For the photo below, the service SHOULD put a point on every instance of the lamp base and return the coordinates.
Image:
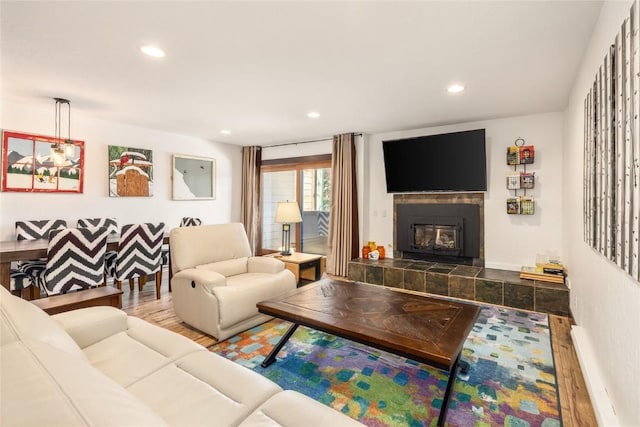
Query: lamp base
(285, 253)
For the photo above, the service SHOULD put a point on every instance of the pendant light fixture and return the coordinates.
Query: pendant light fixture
(61, 149)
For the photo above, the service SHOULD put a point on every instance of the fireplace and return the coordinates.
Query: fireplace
(441, 232)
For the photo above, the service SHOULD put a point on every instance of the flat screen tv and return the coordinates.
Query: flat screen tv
(446, 162)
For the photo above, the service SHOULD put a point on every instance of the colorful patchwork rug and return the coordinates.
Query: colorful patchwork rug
(510, 381)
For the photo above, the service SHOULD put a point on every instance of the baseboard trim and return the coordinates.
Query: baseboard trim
(604, 411)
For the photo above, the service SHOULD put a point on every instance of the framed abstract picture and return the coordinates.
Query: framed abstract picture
(41, 164)
(193, 178)
(130, 172)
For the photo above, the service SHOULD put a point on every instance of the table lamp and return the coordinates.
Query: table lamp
(287, 213)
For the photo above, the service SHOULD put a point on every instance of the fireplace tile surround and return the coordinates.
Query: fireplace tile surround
(486, 285)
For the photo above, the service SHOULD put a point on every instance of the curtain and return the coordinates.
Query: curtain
(343, 226)
(612, 150)
(250, 204)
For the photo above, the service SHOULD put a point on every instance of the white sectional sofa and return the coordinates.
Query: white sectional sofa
(97, 366)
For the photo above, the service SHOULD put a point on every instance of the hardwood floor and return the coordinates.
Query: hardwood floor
(574, 399)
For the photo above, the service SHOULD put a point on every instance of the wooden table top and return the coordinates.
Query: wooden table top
(296, 257)
(425, 329)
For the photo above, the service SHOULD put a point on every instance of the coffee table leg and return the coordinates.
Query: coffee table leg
(274, 352)
(447, 394)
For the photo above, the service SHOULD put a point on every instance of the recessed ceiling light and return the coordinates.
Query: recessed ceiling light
(313, 114)
(153, 51)
(455, 88)
(225, 132)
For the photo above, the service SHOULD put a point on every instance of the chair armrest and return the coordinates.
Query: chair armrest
(89, 325)
(201, 277)
(261, 264)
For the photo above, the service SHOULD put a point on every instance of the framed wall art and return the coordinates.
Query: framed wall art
(41, 164)
(130, 172)
(193, 178)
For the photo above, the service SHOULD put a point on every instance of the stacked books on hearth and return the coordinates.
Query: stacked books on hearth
(551, 272)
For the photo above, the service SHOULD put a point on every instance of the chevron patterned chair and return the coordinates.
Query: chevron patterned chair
(139, 255)
(110, 224)
(33, 230)
(75, 259)
(21, 282)
(186, 221)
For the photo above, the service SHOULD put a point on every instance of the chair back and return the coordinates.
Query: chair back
(109, 223)
(39, 229)
(192, 246)
(75, 259)
(139, 250)
(188, 221)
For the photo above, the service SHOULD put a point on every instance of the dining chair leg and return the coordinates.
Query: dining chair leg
(158, 283)
(142, 280)
(131, 283)
(119, 284)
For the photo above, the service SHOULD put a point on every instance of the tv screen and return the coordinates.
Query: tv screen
(446, 162)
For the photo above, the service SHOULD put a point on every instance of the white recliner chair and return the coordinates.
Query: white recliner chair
(216, 281)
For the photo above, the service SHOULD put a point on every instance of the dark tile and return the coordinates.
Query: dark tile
(373, 274)
(499, 275)
(420, 265)
(489, 291)
(442, 268)
(355, 271)
(465, 271)
(553, 301)
(437, 283)
(462, 287)
(415, 280)
(549, 285)
(518, 296)
(398, 263)
(394, 277)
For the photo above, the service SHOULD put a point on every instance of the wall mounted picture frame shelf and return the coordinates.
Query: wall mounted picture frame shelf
(519, 156)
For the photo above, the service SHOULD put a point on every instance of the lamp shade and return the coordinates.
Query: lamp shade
(288, 213)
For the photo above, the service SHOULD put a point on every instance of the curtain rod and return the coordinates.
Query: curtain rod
(305, 142)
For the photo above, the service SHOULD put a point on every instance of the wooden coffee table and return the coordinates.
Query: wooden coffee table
(425, 329)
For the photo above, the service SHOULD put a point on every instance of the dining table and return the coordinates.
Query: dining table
(24, 250)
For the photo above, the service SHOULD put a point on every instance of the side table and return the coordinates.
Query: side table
(103, 295)
(300, 264)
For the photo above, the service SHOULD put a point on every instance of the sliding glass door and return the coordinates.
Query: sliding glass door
(309, 184)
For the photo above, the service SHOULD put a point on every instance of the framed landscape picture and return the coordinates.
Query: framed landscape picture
(130, 172)
(194, 178)
(27, 164)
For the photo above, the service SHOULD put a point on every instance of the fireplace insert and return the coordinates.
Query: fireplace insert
(439, 232)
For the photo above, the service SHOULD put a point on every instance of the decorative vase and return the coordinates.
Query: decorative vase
(365, 252)
(381, 251)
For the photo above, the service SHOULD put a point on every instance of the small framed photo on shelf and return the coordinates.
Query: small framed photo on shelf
(527, 180)
(527, 154)
(513, 182)
(513, 205)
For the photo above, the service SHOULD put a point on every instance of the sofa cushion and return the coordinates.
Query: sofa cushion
(141, 350)
(230, 267)
(87, 326)
(237, 301)
(191, 246)
(204, 386)
(21, 320)
(291, 408)
(42, 386)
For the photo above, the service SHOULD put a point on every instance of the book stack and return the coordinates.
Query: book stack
(554, 273)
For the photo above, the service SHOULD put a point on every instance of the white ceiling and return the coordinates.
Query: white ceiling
(257, 68)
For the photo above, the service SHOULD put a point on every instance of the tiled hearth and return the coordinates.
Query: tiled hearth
(480, 284)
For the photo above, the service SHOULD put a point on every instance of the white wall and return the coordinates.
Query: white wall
(604, 300)
(511, 241)
(95, 202)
